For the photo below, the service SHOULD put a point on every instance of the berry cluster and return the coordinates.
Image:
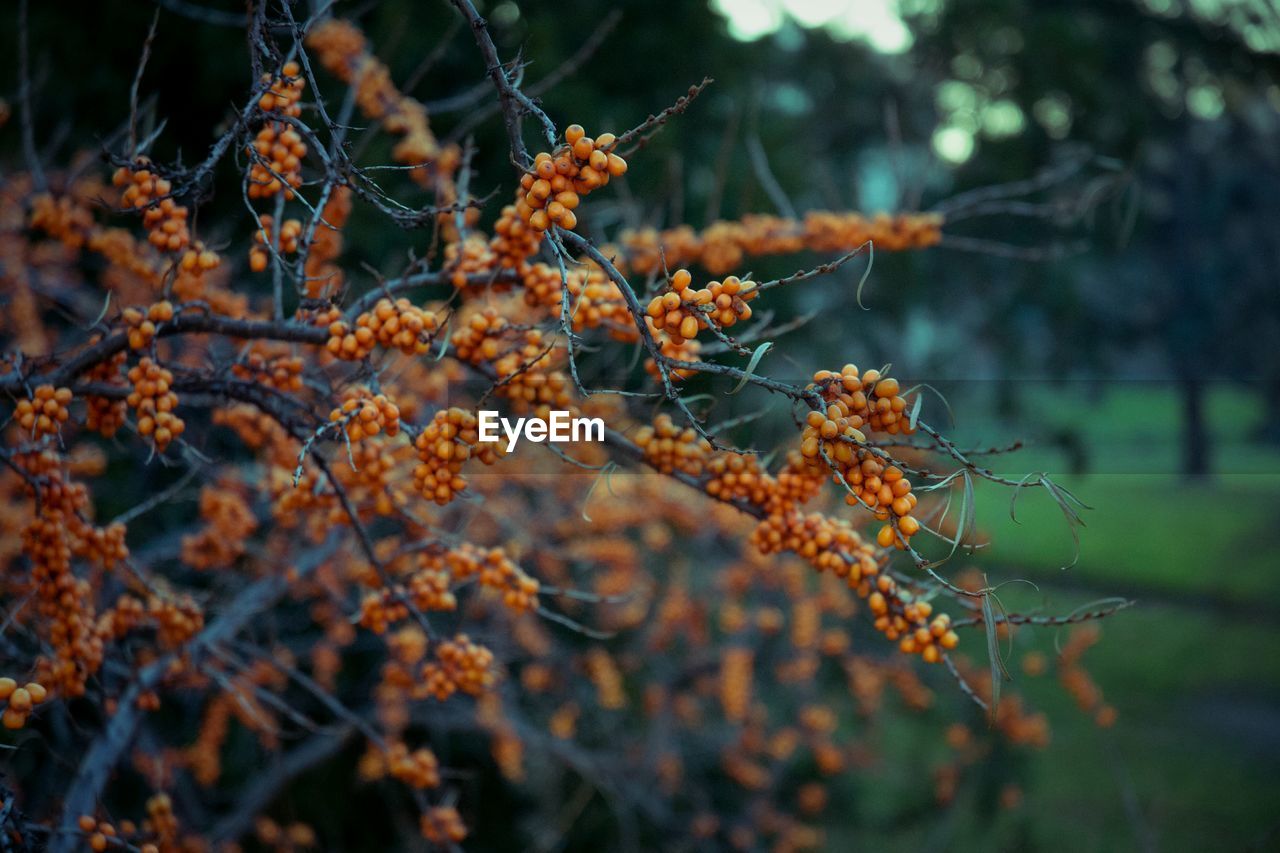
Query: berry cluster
(105, 415)
(104, 836)
(470, 257)
(380, 610)
(514, 241)
(165, 219)
(278, 149)
(427, 589)
(460, 666)
(906, 621)
(479, 339)
(496, 571)
(682, 311)
(683, 349)
(229, 521)
(930, 637)
(342, 51)
(723, 246)
(153, 403)
(160, 821)
(527, 377)
(737, 663)
(553, 190)
(418, 769)
(62, 218)
(364, 415)
(123, 253)
(443, 826)
(279, 370)
(397, 324)
(452, 437)
(265, 238)
(870, 400)
(49, 540)
(142, 327)
(21, 701)
(374, 483)
(595, 301)
(199, 260)
(177, 620)
(127, 615)
(835, 438)
(828, 544)
(45, 412)
(670, 448)
(1077, 681)
(737, 476)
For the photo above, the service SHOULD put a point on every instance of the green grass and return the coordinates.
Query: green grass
(1150, 529)
(1148, 533)
(1193, 669)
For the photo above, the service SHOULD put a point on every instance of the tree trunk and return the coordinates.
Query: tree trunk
(1196, 461)
(1269, 430)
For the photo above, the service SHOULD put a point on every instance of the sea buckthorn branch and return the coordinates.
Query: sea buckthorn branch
(815, 272)
(107, 749)
(197, 178)
(895, 524)
(551, 191)
(975, 202)
(251, 655)
(315, 750)
(137, 83)
(367, 546)
(964, 684)
(514, 102)
(29, 150)
(799, 577)
(341, 49)
(723, 245)
(645, 131)
(1084, 614)
(340, 169)
(766, 178)
(665, 364)
(567, 313)
(661, 360)
(472, 96)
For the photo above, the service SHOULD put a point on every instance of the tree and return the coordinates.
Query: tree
(374, 583)
(1162, 92)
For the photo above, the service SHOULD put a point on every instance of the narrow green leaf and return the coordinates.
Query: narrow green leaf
(967, 520)
(915, 411)
(871, 261)
(444, 340)
(603, 474)
(1017, 490)
(106, 303)
(1065, 500)
(951, 415)
(993, 653)
(751, 365)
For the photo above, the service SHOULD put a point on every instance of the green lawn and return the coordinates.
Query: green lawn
(1194, 668)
